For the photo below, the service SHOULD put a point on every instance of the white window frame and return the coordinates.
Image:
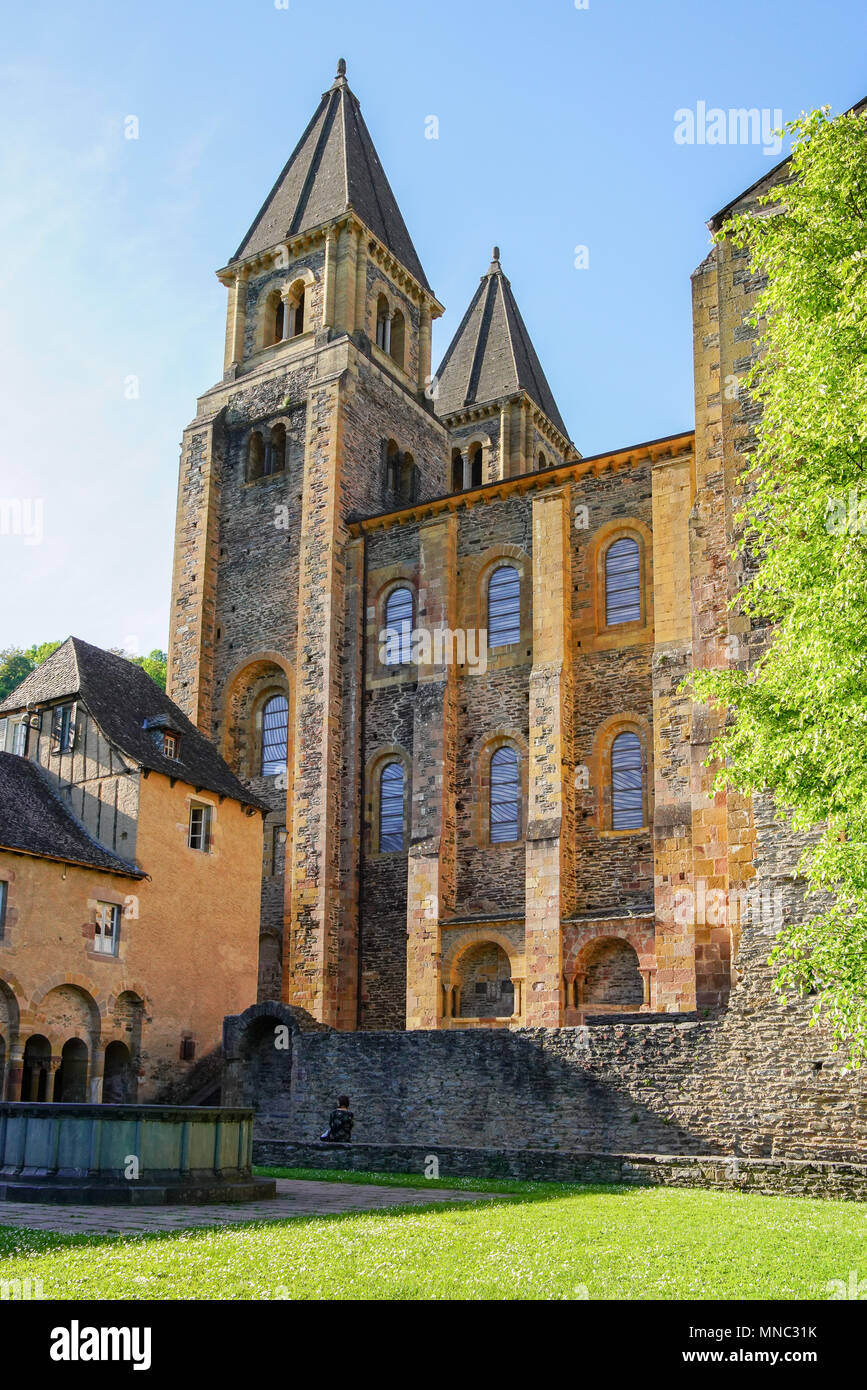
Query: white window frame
(106, 931)
(199, 832)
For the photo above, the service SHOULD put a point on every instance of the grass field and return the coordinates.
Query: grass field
(542, 1241)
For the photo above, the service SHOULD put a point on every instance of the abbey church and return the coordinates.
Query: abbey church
(444, 648)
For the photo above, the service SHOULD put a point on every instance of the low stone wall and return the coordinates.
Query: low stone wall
(753, 1082)
(792, 1176)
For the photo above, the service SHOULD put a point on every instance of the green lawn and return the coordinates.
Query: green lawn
(541, 1241)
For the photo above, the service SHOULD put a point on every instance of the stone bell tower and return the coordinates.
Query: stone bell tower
(323, 414)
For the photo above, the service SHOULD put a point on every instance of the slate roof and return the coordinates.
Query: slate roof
(35, 820)
(122, 699)
(491, 355)
(333, 167)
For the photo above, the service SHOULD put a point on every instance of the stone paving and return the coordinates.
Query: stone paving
(294, 1198)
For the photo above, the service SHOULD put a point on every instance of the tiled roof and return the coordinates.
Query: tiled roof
(333, 167)
(35, 820)
(491, 355)
(123, 700)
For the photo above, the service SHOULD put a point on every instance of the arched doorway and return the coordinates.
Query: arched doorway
(70, 1079)
(37, 1065)
(485, 982)
(118, 1081)
(266, 1064)
(612, 978)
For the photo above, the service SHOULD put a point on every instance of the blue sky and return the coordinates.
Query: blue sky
(556, 130)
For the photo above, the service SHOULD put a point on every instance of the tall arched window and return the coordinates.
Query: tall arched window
(504, 607)
(391, 784)
(275, 735)
(627, 783)
(383, 324)
(505, 796)
(255, 456)
(476, 465)
(623, 582)
(298, 326)
(275, 457)
(397, 346)
(457, 471)
(398, 628)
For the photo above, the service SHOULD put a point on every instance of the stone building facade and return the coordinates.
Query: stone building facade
(129, 888)
(447, 650)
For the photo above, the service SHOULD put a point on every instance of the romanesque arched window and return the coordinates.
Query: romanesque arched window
(504, 607)
(391, 808)
(623, 582)
(627, 783)
(398, 627)
(383, 324)
(275, 458)
(476, 465)
(275, 735)
(505, 803)
(300, 309)
(457, 471)
(397, 346)
(255, 456)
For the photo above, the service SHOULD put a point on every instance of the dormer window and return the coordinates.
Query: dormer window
(62, 728)
(167, 740)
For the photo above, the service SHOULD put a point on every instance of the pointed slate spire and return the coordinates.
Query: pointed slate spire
(333, 166)
(491, 355)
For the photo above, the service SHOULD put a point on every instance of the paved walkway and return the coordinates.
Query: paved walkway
(294, 1198)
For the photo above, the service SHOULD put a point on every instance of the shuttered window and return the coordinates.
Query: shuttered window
(391, 809)
(275, 735)
(504, 796)
(627, 783)
(622, 582)
(504, 607)
(398, 627)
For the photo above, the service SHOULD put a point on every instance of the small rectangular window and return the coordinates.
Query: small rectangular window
(4, 724)
(107, 929)
(188, 1049)
(19, 739)
(4, 895)
(62, 729)
(200, 828)
(170, 744)
(278, 850)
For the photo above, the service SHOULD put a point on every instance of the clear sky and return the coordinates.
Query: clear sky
(556, 131)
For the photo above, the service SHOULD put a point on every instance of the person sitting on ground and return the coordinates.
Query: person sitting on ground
(339, 1129)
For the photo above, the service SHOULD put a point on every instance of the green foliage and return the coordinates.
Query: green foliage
(798, 720)
(15, 664)
(155, 665)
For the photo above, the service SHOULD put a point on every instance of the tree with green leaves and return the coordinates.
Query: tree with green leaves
(797, 721)
(16, 663)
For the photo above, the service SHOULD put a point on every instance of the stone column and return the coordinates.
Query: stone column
(504, 440)
(386, 342)
(96, 1072)
(549, 812)
(431, 865)
(360, 314)
(344, 307)
(312, 977)
(238, 317)
(674, 883)
(466, 469)
(424, 347)
(288, 316)
(330, 278)
(15, 1072)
